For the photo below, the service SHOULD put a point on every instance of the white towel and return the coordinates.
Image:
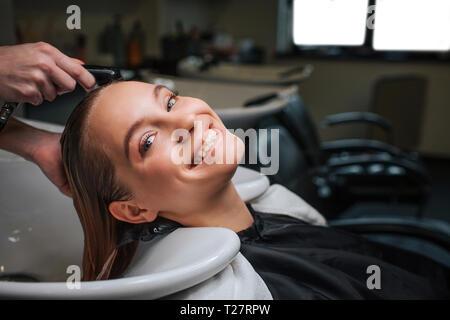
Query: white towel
(238, 281)
(280, 200)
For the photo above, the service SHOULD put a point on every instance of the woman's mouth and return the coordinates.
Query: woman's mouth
(208, 144)
(206, 148)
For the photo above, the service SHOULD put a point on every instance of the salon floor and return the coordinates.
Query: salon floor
(438, 205)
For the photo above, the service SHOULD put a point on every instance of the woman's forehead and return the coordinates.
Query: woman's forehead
(121, 99)
(124, 91)
(118, 106)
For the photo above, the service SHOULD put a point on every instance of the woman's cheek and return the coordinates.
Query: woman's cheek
(234, 147)
(240, 147)
(160, 165)
(156, 180)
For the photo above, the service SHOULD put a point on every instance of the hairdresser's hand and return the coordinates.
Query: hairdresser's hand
(36, 71)
(39, 146)
(47, 155)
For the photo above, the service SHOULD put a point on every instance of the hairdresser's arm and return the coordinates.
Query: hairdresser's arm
(39, 146)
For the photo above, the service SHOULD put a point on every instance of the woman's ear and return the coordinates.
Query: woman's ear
(129, 211)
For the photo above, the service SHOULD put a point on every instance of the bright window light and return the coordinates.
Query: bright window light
(412, 25)
(330, 22)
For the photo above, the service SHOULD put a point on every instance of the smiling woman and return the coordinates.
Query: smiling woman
(117, 150)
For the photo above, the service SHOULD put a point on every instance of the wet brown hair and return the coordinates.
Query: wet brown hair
(91, 177)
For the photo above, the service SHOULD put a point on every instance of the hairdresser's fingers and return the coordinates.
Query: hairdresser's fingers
(31, 94)
(77, 60)
(75, 70)
(45, 85)
(49, 90)
(63, 82)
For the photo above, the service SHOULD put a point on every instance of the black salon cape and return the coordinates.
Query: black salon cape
(300, 261)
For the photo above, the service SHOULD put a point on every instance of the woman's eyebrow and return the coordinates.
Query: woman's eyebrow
(130, 132)
(137, 124)
(157, 89)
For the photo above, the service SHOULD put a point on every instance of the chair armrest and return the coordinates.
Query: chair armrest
(427, 229)
(346, 117)
(349, 145)
(260, 99)
(369, 117)
(415, 168)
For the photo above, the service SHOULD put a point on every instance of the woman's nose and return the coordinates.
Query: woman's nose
(186, 114)
(182, 120)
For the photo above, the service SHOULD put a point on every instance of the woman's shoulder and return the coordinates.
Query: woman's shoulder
(255, 188)
(278, 200)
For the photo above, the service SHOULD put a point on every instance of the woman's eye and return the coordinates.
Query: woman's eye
(148, 143)
(171, 103)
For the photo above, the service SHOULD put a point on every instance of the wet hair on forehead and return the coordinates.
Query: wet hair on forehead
(94, 97)
(89, 139)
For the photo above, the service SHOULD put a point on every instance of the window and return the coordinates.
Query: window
(412, 25)
(329, 22)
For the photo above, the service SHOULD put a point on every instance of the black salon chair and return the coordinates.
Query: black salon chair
(306, 167)
(427, 237)
(334, 175)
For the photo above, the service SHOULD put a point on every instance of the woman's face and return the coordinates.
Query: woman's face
(172, 153)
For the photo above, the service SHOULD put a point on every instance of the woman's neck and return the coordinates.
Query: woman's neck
(226, 209)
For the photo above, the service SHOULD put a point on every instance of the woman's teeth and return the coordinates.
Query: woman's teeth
(209, 143)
